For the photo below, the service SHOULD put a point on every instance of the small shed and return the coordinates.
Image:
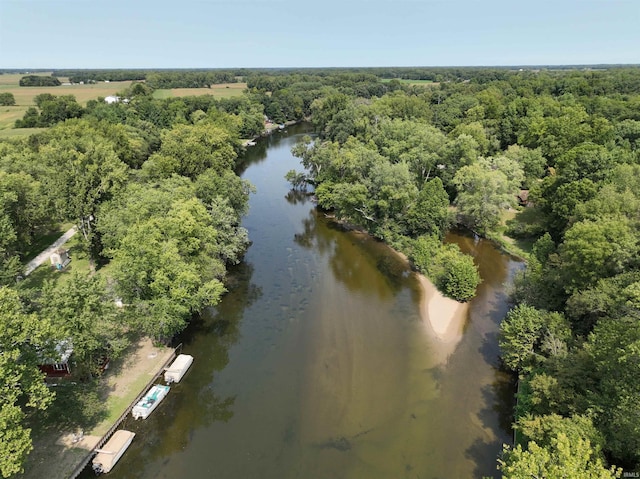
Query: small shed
(58, 366)
(60, 259)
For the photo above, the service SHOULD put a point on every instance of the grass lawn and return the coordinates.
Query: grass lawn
(45, 272)
(42, 242)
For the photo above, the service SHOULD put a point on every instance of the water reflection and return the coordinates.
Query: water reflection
(301, 197)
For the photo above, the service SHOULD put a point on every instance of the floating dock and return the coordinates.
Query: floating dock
(175, 372)
(112, 451)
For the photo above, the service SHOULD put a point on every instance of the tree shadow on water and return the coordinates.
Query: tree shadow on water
(497, 416)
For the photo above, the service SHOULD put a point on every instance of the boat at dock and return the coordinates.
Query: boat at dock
(175, 372)
(112, 451)
(150, 401)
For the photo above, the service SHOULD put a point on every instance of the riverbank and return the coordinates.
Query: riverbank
(57, 453)
(269, 128)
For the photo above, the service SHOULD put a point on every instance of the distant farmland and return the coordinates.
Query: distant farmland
(25, 96)
(220, 90)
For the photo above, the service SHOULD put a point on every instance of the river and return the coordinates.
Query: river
(317, 363)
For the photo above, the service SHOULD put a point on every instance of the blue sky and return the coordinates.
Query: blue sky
(304, 33)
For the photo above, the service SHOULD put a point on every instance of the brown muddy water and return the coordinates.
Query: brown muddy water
(317, 364)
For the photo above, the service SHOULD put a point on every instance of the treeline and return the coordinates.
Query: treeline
(152, 188)
(39, 80)
(155, 78)
(188, 79)
(77, 76)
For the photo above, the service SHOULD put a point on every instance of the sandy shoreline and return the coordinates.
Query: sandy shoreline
(445, 316)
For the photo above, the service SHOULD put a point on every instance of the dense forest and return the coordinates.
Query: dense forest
(151, 185)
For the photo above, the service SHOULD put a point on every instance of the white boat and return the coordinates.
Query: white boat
(174, 373)
(150, 401)
(112, 451)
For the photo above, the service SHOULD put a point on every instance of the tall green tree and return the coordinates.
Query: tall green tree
(483, 194)
(24, 339)
(82, 311)
(430, 214)
(597, 249)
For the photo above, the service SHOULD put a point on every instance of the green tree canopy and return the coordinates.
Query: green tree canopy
(560, 460)
(24, 340)
(7, 99)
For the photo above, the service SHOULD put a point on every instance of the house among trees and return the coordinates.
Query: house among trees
(523, 198)
(60, 259)
(58, 366)
(111, 99)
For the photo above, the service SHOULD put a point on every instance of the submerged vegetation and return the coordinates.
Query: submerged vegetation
(151, 185)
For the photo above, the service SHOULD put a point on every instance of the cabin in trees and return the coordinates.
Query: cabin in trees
(523, 198)
(58, 365)
(60, 259)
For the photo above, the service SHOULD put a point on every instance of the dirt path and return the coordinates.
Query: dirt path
(55, 454)
(44, 256)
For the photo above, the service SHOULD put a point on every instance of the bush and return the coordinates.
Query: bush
(459, 275)
(453, 272)
(7, 99)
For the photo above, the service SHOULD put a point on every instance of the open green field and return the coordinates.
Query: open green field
(219, 90)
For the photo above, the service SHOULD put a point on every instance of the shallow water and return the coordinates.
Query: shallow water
(317, 364)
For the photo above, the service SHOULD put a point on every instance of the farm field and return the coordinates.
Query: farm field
(219, 90)
(24, 96)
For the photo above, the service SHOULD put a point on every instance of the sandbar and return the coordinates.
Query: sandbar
(445, 316)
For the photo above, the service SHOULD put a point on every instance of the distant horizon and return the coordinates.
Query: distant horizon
(151, 34)
(541, 65)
